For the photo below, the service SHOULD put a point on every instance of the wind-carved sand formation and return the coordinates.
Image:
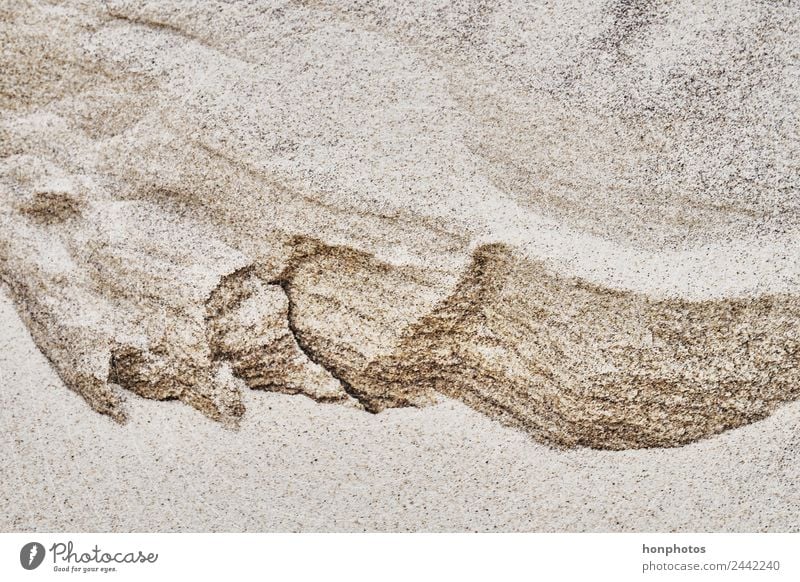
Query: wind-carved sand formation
(580, 219)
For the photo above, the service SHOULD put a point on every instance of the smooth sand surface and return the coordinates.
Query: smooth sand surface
(296, 465)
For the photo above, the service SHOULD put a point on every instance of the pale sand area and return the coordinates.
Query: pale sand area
(296, 465)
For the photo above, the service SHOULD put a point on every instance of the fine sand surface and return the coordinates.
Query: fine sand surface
(541, 258)
(295, 465)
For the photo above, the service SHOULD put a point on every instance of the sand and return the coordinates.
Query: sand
(295, 465)
(574, 224)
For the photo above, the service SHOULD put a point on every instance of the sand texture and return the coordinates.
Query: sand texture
(581, 220)
(296, 465)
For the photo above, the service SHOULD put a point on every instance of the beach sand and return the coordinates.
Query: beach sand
(296, 465)
(318, 265)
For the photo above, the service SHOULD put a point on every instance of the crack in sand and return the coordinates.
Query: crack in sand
(285, 286)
